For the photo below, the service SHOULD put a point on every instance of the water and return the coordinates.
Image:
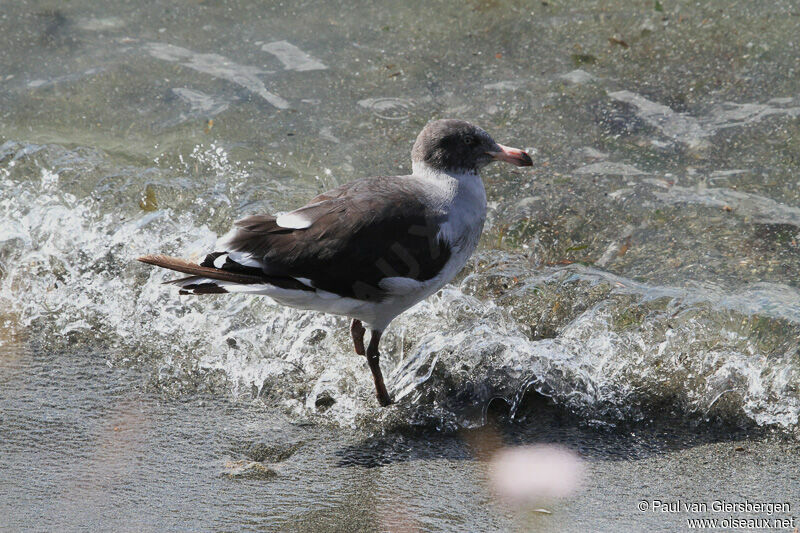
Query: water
(642, 278)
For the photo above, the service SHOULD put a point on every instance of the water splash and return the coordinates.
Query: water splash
(607, 347)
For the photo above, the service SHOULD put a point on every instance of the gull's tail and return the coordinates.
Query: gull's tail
(231, 277)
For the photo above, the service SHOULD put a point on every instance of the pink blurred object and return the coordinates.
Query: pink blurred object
(531, 474)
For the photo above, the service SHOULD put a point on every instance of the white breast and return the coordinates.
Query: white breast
(462, 198)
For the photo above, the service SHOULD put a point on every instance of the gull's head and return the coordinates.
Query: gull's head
(451, 145)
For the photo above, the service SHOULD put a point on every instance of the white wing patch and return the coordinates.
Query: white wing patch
(400, 286)
(293, 220)
(245, 259)
(263, 289)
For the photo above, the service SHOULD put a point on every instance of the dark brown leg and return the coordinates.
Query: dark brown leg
(357, 332)
(373, 358)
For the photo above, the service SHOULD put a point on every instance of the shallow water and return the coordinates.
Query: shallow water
(641, 278)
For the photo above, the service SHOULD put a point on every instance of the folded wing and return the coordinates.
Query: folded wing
(345, 241)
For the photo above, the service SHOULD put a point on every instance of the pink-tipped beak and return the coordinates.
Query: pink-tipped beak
(515, 156)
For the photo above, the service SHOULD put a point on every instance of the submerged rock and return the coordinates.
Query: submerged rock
(577, 77)
(243, 469)
(267, 452)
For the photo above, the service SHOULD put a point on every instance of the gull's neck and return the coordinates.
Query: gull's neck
(455, 188)
(423, 170)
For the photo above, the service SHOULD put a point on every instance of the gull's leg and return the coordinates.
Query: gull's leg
(357, 331)
(373, 358)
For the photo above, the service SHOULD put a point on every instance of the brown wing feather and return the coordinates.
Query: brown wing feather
(360, 233)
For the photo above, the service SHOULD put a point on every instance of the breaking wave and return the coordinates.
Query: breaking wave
(603, 346)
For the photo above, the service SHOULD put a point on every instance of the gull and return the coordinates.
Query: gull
(369, 249)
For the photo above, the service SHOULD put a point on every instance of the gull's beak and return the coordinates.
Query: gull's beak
(515, 156)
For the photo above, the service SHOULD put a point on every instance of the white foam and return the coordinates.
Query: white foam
(201, 102)
(219, 67)
(609, 167)
(759, 208)
(292, 57)
(507, 85)
(679, 126)
(101, 24)
(694, 131)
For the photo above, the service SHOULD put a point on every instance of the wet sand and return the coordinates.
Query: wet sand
(89, 447)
